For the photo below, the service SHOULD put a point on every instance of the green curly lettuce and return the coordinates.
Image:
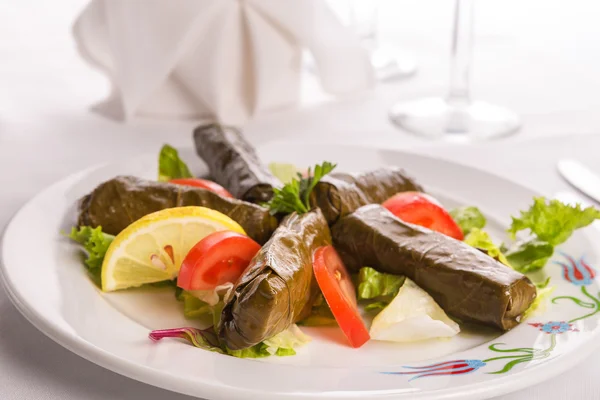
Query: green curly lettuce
(468, 218)
(548, 223)
(552, 221)
(94, 242)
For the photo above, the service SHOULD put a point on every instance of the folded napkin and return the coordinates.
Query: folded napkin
(229, 59)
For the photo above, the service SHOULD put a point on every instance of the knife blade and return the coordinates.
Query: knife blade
(573, 198)
(580, 177)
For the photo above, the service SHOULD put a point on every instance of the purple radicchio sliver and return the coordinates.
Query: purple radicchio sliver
(202, 338)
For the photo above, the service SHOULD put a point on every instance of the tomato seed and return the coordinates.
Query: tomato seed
(338, 275)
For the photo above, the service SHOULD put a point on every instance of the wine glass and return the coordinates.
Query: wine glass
(457, 116)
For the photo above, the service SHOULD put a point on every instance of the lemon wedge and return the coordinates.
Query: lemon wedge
(152, 248)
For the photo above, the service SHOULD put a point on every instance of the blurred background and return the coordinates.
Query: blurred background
(537, 57)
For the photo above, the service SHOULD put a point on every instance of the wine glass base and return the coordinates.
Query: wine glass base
(436, 118)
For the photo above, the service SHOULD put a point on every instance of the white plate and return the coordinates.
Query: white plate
(46, 281)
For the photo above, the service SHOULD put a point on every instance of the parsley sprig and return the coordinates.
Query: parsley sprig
(295, 195)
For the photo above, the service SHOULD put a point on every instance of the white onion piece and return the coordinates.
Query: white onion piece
(413, 315)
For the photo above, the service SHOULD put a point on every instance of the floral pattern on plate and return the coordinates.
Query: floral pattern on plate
(579, 273)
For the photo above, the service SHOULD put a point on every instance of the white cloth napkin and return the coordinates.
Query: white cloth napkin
(229, 59)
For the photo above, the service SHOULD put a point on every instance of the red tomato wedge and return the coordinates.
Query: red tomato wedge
(422, 209)
(338, 290)
(219, 258)
(204, 184)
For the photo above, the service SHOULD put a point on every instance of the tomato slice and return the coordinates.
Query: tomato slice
(424, 210)
(219, 258)
(338, 290)
(204, 184)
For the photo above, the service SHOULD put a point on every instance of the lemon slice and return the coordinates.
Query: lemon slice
(153, 247)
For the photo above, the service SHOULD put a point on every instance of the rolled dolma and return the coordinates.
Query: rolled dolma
(340, 194)
(464, 281)
(117, 203)
(276, 289)
(233, 163)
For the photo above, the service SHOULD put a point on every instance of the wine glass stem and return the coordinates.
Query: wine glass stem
(461, 55)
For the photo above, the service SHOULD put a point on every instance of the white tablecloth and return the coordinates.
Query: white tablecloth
(539, 57)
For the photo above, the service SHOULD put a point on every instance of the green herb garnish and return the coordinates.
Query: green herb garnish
(294, 196)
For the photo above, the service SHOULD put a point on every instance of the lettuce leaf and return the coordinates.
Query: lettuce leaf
(283, 344)
(543, 293)
(162, 284)
(170, 166)
(95, 243)
(549, 223)
(468, 218)
(529, 255)
(482, 241)
(543, 285)
(193, 307)
(287, 341)
(378, 289)
(259, 351)
(284, 172)
(202, 304)
(376, 306)
(256, 351)
(320, 314)
(206, 339)
(552, 221)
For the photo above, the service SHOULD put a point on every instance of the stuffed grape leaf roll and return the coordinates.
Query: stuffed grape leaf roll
(233, 163)
(276, 289)
(339, 194)
(464, 281)
(117, 203)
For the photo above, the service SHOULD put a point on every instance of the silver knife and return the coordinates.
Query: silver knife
(580, 177)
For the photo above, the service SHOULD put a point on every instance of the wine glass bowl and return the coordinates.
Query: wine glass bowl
(457, 117)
